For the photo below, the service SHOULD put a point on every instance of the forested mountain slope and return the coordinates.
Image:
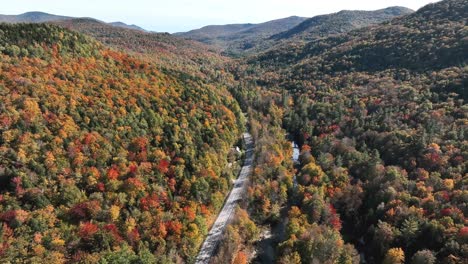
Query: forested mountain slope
(235, 38)
(103, 156)
(167, 51)
(382, 117)
(242, 39)
(432, 38)
(41, 17)
(123, 25)
(341, 22)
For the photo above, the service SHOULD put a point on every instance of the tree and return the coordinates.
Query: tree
(384, 236)
(87, 230)
(410, 229)
(423, 257)
(241, 258)
(394, 256)
(291, 258)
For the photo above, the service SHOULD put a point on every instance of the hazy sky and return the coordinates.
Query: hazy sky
(183, 15)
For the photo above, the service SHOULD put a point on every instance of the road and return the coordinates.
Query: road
(215, 235)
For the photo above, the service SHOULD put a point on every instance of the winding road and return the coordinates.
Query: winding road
(215, 235)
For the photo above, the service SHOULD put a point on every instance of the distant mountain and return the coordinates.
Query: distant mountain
(123, 25)
(272, 27)
(241, 39)
(429, 39)
(41, 17)
(210, 34)
(238, 37)
(31, 17)
(341, 22)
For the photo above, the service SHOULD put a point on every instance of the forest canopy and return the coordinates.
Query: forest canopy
(103, 155)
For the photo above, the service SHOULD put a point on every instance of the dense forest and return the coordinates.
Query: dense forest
(162, 49)
(104, 156)
(118, 145)
(381, 117)
(238, 40)
(341, 22)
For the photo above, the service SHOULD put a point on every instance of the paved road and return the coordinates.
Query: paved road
(216, 233)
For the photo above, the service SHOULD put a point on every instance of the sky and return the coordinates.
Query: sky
(183, 15)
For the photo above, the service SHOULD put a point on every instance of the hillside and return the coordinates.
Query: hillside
(165, 50)
(381, 117)
(104, 156)
(431, 39)
(236, 38)
(224, 33)
(245, 39)
(209, 34)
(41, 17)
(341, 22)
(123, 25)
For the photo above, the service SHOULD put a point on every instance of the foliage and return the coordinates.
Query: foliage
(237, 40)
(168, 52)
(381, 116)
(238, 240)
(103, 156)
(341, 22)
(394, 256)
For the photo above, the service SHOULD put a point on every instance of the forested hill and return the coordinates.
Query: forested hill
(381, 115)
(217, 33)
(341, 22)
(31, 17)
(41, 17)
(167, 51)
(102, 155)
(238, 37)
(123, 25)
(244, 39)
(433, 38)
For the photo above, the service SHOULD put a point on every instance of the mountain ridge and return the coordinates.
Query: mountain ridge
(123, 25)
(240, 36)
(244, 39)
(236, 27)
(341, 22)
(166, 50)
(42, 17)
